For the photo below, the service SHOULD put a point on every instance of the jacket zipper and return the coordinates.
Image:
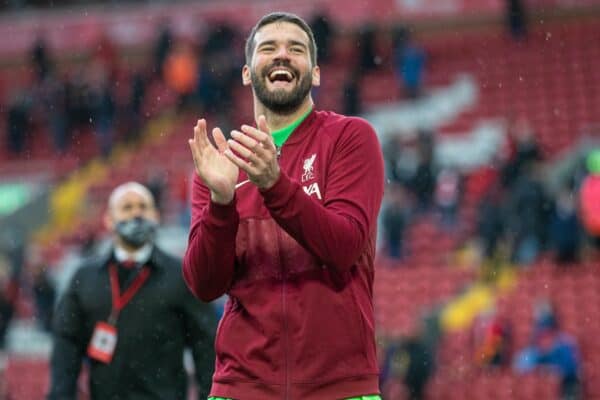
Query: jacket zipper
(284, 306)
(285, 329)
(284, 317)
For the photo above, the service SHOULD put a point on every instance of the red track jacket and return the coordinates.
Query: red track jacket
(297, 263)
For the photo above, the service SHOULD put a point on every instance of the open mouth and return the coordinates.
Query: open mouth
(280, 76)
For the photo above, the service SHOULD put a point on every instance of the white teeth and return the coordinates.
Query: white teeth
(280, 72)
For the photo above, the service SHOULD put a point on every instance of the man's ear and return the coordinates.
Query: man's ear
(246, 79)
(316, 76)
(109, 224)
(155, 215)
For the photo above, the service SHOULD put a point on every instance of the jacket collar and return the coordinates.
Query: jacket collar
(301, 129)
(158, 258)
(140, 256)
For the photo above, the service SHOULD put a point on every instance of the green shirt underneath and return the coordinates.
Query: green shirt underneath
(281, 135)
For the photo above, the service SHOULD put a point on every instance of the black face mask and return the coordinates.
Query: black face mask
(136, 232)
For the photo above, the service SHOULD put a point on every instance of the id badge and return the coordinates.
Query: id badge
(103, 343)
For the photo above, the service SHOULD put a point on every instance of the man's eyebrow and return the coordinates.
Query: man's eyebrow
(266, 43)
(291, 42)
(297, 43)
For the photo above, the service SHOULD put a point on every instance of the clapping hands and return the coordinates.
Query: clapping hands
(249, 149)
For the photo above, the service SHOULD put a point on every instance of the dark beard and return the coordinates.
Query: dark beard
(280, 101)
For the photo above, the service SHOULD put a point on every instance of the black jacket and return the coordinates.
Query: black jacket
(153, 330)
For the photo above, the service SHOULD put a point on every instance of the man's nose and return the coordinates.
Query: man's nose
(137, 212)
(282, 53)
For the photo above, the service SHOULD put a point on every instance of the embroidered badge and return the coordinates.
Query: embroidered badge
(308, 173)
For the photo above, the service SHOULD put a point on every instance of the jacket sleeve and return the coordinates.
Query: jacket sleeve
(69, 344)
(337, 230)
(209, 260)
(200, 326)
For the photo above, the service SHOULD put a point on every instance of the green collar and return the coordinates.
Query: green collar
(281, 135)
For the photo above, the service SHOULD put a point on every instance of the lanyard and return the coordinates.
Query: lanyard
(120, 300)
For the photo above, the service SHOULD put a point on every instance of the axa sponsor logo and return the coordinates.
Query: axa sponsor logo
(311, 189)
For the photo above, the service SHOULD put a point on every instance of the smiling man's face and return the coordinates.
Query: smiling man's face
(281, 71)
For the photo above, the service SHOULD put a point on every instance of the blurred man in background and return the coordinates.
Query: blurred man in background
(286, 226)
(589, 198)
(553, 349)
(410, 360)
(129, 314)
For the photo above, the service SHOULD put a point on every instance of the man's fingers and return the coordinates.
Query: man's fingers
(219, 139)
(250, 143)
(197, 143)
(246, 153)
(259, 136)
(195, 154)
(194, 147)
(252, 150)
(265, 150)
(241, 164)
(254, 133)
(192, 144)
(262, 125)
(200, 135)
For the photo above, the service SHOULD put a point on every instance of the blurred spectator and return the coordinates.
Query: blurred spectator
(589, 197)
(219, 38)
(44, 295)
(554, 350)
(423, 181)
(9, 290)
(105, 53)
(521, 149)
(528, 215)
(516, 18)
(395, 218)
(367, 56)
(79, 111)
(181, 72)
(162, 48)
(102, 107)
(128, 310)
(565, 229)
(492, 339)
(447, 196)
(527, 146)
(410, 360)
(491, 220)
(134, 106)
(401, 161)
(391, 150)
(322, 29)
(51, 98)
(156, 182)
(219, 71)
(409, 62)
(351, 102)
(183, 189)
(544, 316)
(18, 122)
(40, 58)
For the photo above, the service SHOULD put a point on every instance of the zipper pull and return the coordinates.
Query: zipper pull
(278, 151)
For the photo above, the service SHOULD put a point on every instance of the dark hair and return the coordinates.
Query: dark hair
(282, 17)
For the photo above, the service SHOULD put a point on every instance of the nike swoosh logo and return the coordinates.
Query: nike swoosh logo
(242, 183)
